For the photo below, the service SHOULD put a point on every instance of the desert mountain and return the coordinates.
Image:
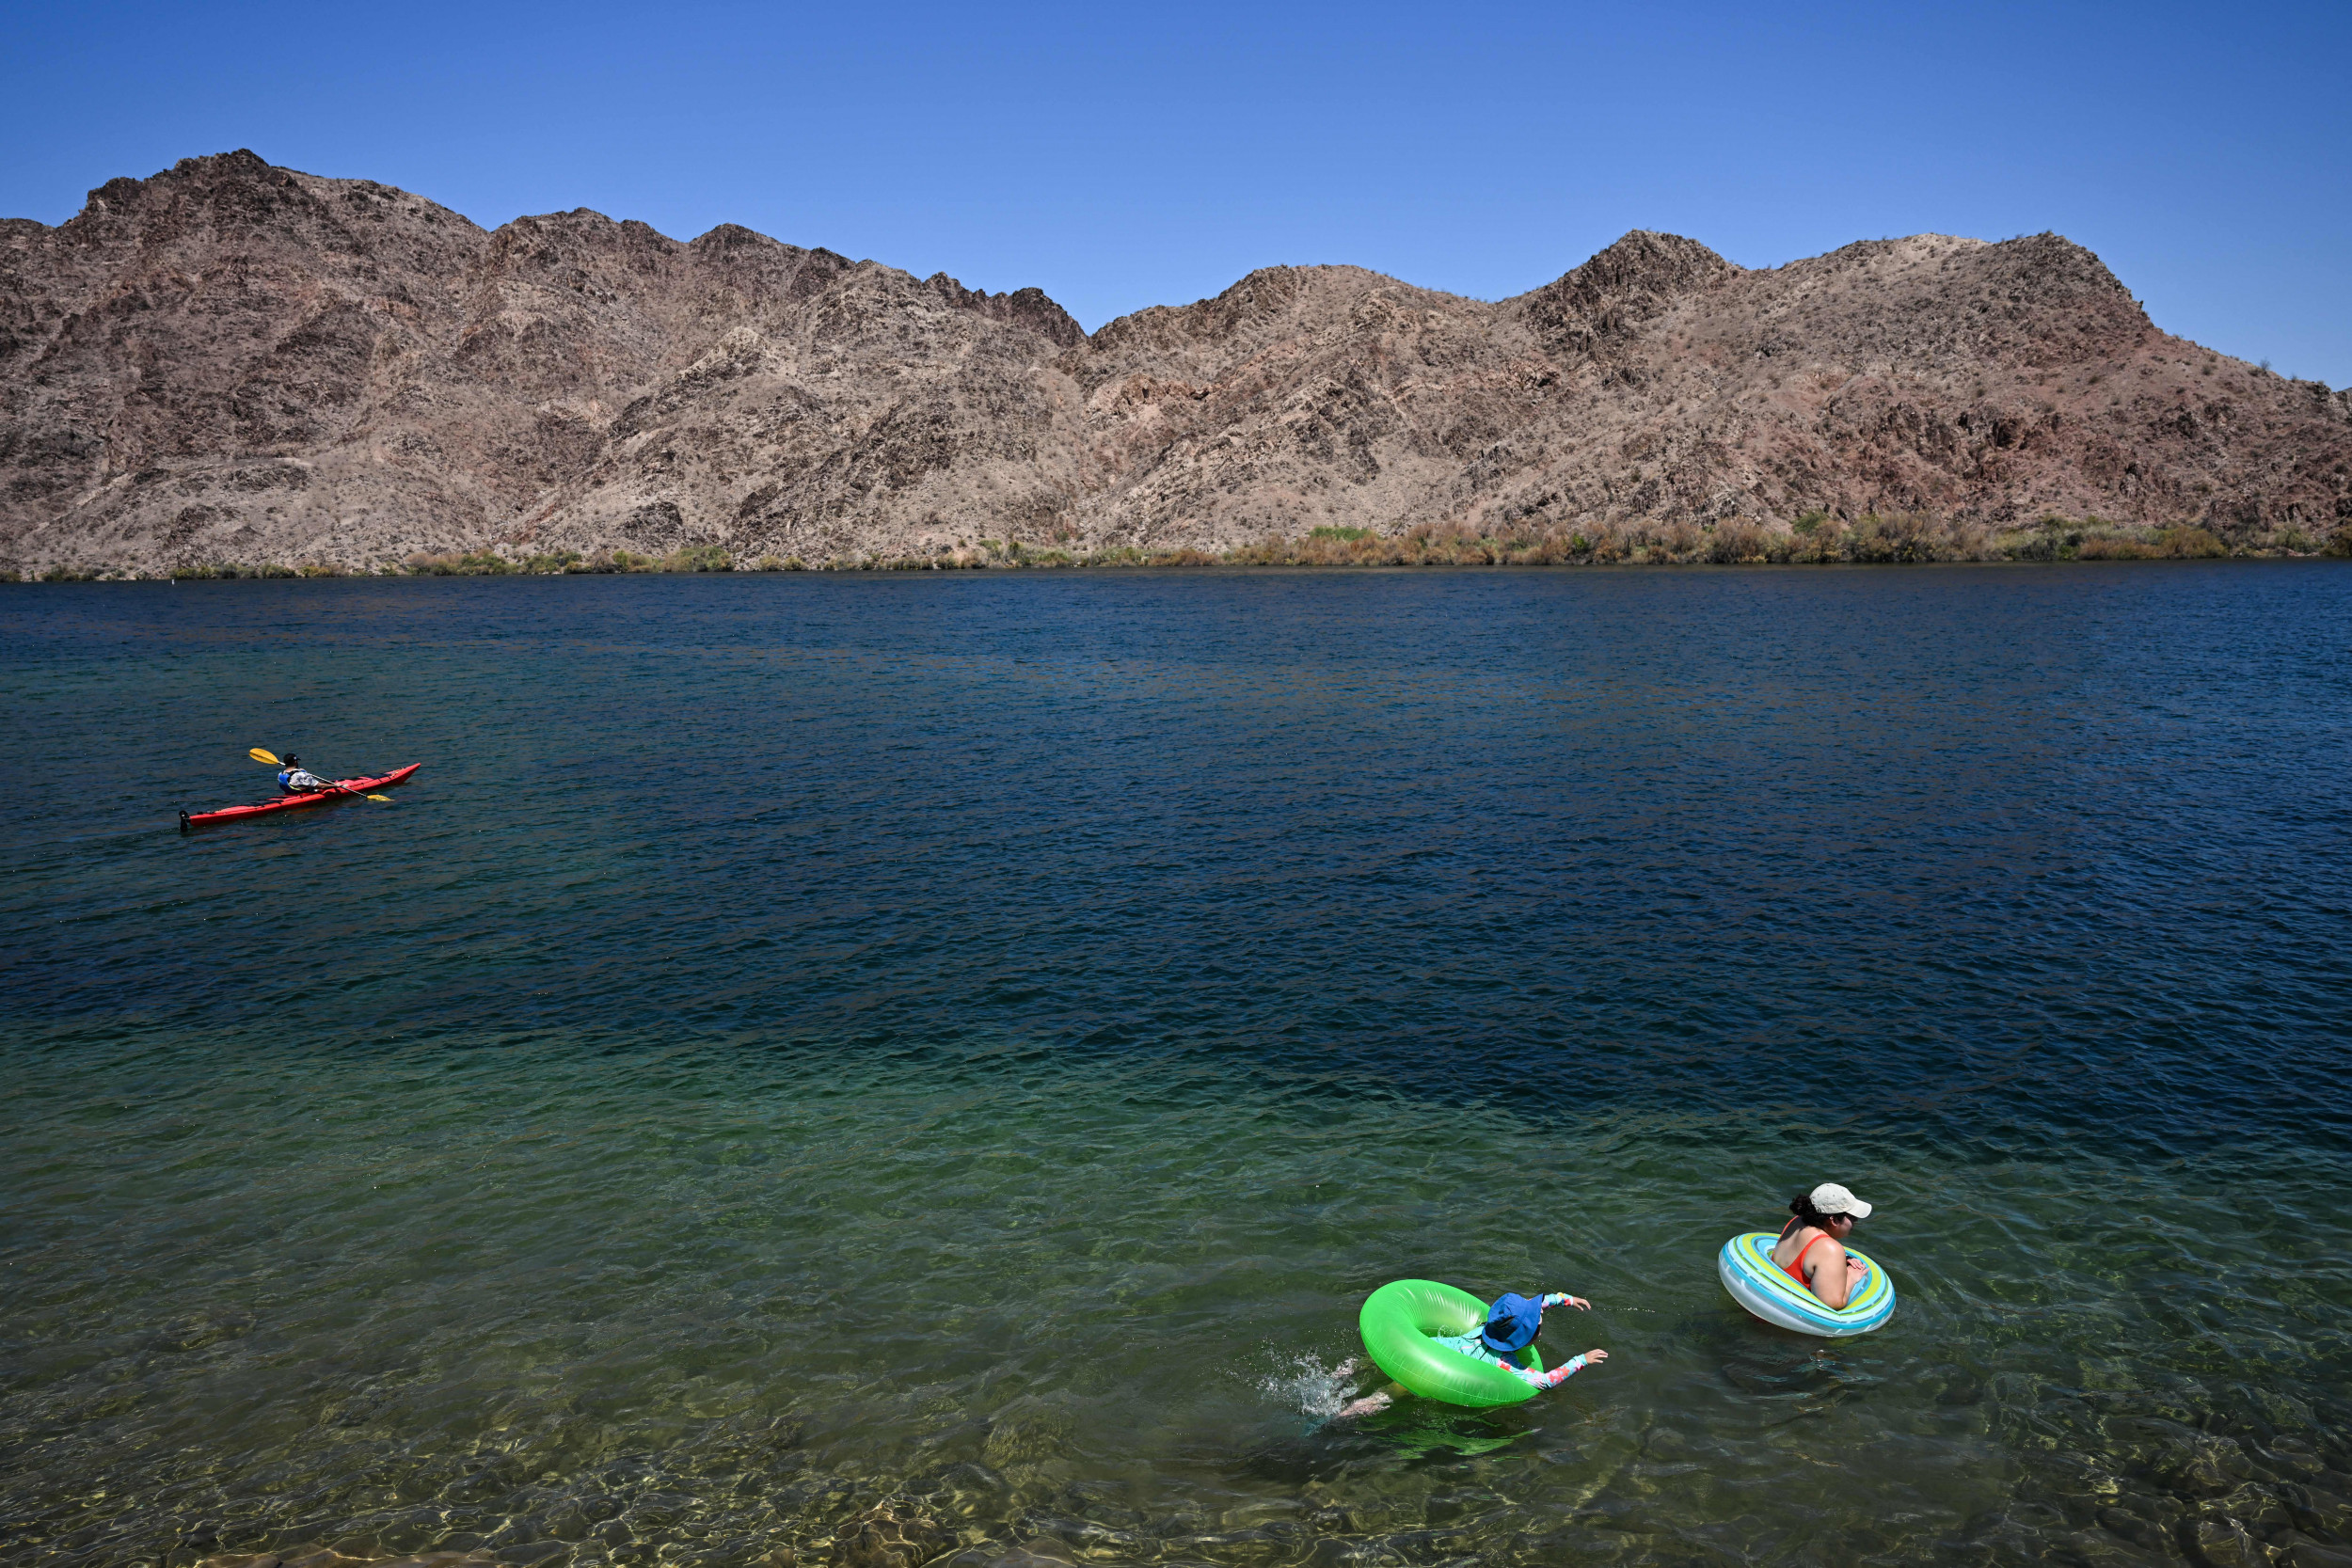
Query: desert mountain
(231, 361)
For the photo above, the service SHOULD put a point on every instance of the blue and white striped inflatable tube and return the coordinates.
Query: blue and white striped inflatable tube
(1765, 1289)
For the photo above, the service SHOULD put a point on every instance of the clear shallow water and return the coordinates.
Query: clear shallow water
(973, 1042)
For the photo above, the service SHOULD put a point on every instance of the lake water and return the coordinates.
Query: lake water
(968, 1044)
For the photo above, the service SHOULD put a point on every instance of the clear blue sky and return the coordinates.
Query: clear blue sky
(1120, 157)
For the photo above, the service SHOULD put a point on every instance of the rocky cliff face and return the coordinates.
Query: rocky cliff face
(232, 362)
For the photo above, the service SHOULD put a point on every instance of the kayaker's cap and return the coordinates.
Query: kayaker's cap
(1831, 1198)
(1511, 1324)
(293, 761)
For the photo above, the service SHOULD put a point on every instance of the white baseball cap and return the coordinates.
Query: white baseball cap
(1831, 1198)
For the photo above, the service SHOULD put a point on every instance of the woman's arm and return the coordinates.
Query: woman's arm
(1827, 1272)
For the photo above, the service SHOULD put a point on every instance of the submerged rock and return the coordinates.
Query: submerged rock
(884, 1537)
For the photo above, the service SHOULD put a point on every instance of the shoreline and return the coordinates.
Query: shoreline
(1815, 539)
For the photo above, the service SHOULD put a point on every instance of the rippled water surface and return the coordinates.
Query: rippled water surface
(966, 1045)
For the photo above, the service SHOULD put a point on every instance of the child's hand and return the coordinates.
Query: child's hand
(1595, 1358)
(1563, 1299)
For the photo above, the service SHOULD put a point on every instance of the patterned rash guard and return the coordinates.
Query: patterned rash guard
(1471, 1346)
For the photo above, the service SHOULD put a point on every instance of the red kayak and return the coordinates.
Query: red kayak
(289, 802)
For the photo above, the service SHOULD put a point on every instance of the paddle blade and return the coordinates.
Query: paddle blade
(385, 799)
(259, 756)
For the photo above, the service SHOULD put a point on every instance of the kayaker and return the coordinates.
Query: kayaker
(1812, 1245)
(295, 779)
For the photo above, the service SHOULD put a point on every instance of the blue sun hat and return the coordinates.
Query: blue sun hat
(1511, 1324)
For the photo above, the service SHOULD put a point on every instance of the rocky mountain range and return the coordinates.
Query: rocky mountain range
(234, 362)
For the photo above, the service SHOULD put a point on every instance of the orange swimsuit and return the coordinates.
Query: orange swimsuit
(1796, 1270)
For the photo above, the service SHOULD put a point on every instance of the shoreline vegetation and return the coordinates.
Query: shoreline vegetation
(1814, 538)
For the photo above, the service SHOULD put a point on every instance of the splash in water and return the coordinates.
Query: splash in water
(1323, 1394)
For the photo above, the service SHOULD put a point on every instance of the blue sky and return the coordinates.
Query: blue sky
(1123, 156)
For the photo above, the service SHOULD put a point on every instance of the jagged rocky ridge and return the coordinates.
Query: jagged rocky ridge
(234, 362)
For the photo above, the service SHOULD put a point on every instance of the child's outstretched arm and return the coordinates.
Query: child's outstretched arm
(1565, 1371)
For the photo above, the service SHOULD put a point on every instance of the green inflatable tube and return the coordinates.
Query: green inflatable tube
(1398, 1323)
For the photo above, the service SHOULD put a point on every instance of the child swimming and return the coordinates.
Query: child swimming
(1511, 1324)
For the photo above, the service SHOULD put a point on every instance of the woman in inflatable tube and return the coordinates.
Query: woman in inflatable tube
(1446, 1344)
(1807, 1279)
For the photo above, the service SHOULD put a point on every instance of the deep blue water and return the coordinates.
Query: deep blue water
(994, 1027)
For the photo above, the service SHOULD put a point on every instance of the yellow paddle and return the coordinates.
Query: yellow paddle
(270, 759)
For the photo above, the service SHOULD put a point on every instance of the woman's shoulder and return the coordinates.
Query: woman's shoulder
(1808, 1241)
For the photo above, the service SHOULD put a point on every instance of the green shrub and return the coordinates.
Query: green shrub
(700, 558)
(2174, 541)
(2183, 543)
(476, 564)
(1898, 538)
(2051, 539)
(605, 561)
(1330, 530)
(1809, 522)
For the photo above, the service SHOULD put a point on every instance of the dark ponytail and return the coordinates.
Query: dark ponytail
(1802, 1205)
